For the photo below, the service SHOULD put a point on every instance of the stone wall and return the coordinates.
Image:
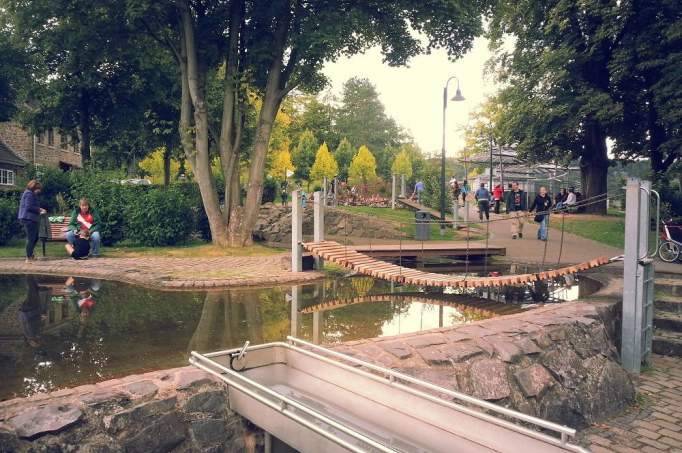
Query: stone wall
(182, 409)
(21, 142)
(558, 362)
(274, 224)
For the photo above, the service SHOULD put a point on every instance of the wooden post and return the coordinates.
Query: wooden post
(318, 224)
(393, 184)
(296, 232)
(402, 186)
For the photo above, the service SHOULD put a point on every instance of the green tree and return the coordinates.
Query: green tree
(325, 165)
(304, 155)
(557, 103)
(362, 119)
(311, 113)
(483, 127)
(402, 165)
(273, 48)
(363, 167)
(14, 68)
(344, 155)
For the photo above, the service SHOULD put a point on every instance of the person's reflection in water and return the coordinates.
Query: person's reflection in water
(85, 305)
(31, 313)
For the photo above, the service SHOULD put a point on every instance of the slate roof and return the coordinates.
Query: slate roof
(9, 157)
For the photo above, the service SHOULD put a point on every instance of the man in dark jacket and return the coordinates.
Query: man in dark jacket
(516, 207)
(85, 218)
(542, 205)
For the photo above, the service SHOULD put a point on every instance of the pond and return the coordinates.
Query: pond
(57, 332)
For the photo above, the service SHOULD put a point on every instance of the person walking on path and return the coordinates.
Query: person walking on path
(516, 207)
(29, 216)
(541, 205)
(85, 218)
(465, 191)
(497, 197)
(455, 191)
(418, 189)
(482, 197)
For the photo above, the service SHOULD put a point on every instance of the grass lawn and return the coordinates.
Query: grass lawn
(193, 249)
(406, 218)
(609, 229)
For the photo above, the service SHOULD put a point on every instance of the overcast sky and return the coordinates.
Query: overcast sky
(412, 95)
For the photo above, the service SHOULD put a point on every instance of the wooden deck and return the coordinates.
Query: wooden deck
(474, 304)
(412, 204)
(430, 249)
(364, 264)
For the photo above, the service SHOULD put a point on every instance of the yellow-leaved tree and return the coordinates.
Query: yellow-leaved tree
(325, 165)
(281, 164)
(402, 164)
(363, 167)
(153, 165)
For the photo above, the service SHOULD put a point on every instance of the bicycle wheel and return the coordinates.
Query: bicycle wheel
(669, 251)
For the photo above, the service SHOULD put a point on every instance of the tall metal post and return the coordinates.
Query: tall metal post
(318, 224)
(324, 190)
(402, 186)
(638, 275)
(393, 189)
(296, 232)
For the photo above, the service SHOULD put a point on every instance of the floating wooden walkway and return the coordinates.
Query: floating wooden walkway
(472, 304)
(420, 207)
(363, 264)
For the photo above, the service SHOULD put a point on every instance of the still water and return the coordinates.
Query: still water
(57, 332)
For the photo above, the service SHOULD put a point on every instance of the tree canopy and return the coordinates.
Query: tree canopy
(402, 165)
(363, 167)
(325, 165)
(304, 155)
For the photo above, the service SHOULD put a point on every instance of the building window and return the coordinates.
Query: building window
(63, 141)
(50, 137)
(40, 137)
(74, 143)
(6, 177)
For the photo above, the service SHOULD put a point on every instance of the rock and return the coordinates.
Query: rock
(137, 415)
(565, 365)
(191, 378)
(527, 346)
(398, 349)
(607, 389)
(213, 402)
(209, 432)
(534, 380)
(51, 418)
(423, 341)
(505, 349)
(142, 389)
(463, 350)
(104, 397)
(100, 444)
(164, 434)
(542, 339)
(434, 356)
(489, 379)
(9, 443)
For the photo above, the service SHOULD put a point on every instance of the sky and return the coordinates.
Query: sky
(413, 94)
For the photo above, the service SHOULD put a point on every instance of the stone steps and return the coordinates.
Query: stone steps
(667, 342)
(668, 286)
(668, 316)
(665, 320)
(668, 304)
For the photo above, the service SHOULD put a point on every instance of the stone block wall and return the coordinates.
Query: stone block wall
(558, 362)
(182, 409)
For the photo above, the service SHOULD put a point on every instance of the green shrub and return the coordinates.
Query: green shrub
(9, 225)
(269, 190)
(55, 182)
(159, 217)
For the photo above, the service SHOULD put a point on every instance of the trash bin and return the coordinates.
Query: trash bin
(422, 219)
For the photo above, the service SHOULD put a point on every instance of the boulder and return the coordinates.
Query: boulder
(489, 379)
(52, 418)
(534, 380)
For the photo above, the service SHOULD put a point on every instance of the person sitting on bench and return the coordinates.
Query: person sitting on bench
(80, 247)
(85, 218)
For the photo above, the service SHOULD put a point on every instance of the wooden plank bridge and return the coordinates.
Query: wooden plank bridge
(413, 204)
(472, 304)
(364, 264)
(431, 249)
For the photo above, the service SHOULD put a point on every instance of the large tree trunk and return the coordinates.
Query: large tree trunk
(594, 166)
(166, 167)
(198, 155)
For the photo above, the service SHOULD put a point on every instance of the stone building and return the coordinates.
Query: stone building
(19, 149)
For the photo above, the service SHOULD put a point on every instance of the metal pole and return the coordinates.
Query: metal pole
(490, 187)
(442, 160)
(393, 190)
(318, 225)
(402, 186)
(631, 342)
(296, 232)
(324, 190)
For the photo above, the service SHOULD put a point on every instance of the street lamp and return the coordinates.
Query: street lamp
(457, 97)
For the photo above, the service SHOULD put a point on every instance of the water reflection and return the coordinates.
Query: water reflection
(57, 332)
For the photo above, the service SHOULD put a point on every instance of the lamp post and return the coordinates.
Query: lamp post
(457, 97)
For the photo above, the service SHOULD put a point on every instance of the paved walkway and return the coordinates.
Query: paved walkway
(655, 424)
(172, 273)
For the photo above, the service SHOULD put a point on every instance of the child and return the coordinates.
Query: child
(80, 248)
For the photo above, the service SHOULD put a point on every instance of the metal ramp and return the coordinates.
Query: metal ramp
(317, 400)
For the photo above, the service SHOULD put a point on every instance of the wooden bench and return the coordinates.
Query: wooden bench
(57, 232)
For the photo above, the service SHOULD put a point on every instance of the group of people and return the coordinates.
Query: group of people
(83, 235)
(515, 203)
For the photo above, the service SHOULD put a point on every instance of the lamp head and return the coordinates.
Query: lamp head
(458, 95)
